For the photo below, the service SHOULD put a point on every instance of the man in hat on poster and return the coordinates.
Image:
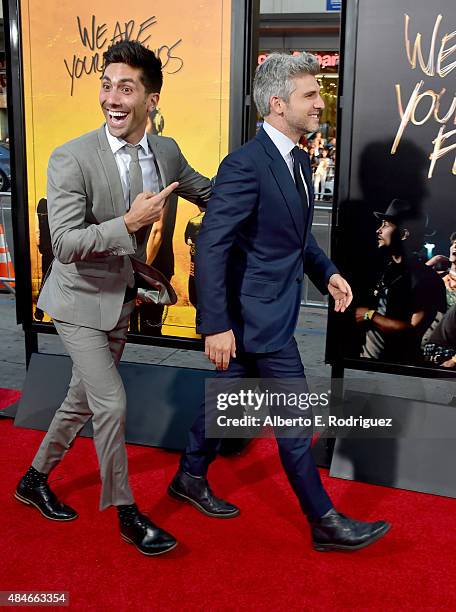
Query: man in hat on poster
(105, 190)
(408, 295)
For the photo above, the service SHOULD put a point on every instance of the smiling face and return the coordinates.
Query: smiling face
(303, 109)
(125, 102)
(301, 112)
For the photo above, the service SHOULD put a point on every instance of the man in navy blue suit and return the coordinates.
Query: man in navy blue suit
(253, 249)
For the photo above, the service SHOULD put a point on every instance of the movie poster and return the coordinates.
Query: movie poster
(395, 236)
(63, 43)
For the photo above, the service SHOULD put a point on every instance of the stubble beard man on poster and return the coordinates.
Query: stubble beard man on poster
(254, 246)
(101, 206)
(409, 294)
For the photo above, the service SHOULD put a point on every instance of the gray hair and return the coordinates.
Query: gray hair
(274, 77)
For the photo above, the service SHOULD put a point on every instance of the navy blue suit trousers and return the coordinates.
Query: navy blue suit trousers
(295, 453)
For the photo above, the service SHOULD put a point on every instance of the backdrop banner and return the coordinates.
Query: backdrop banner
(393, 237)
(63, 44)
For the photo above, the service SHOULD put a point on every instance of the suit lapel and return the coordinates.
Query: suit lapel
(112, 173)
(160, 158)
(291, 196)
(285, 183)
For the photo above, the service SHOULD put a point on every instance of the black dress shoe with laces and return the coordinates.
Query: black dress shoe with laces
(335, 531)
(149, 539)
(39, 494)
(196, 491)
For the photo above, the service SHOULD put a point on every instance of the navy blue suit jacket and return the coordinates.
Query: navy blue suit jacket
(254, 248)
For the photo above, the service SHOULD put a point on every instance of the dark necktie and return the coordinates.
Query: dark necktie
(296, 153)
(134, 172)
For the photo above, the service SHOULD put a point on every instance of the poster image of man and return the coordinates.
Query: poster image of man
(147, 317)
(177, 34)
(440, 349)
(43, 240)
(446, 267)
(191, 235)
(156, 122)
(406, 299)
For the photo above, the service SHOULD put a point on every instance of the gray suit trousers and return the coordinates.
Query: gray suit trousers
(96, 391)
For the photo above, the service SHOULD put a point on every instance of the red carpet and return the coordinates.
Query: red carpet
(8, 396)
(259, 561)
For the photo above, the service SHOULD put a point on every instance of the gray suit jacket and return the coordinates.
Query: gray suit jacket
(91, 245)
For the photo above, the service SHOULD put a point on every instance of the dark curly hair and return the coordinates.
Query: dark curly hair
(135, 54)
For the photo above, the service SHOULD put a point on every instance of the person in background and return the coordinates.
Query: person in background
(321, 172)
(312, 159)
(331, 145)
(318, 142)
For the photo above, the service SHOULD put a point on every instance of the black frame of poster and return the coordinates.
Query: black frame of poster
(345, 121)
(244, 39)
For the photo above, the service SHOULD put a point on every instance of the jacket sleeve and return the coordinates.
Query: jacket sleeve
(193, 186)
(73, 239)
(234, 198)
(318, 267)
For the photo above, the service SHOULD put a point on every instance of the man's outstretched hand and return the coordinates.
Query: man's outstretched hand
(340, 291)
(219, 348)
(147, 208)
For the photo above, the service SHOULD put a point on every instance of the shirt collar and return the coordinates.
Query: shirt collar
(118, 143)
(281, 141)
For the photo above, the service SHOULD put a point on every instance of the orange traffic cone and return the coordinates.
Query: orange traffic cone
(6, 265)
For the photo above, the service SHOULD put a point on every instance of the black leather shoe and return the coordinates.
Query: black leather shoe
(336, 531)
(196, 491)
(146, 536)
(45, 501)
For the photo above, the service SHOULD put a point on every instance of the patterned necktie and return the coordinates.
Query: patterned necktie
(137, 187)
(296, 153)
(135, 173)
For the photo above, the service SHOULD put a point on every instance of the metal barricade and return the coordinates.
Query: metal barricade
(321, 229)
(7, 276)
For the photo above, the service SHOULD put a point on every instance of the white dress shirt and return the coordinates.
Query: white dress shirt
(285, 146)
(146, 161)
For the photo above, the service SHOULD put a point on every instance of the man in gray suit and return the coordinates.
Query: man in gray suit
(105, 190)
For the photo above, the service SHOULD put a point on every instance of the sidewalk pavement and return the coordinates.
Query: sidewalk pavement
(310, 336)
